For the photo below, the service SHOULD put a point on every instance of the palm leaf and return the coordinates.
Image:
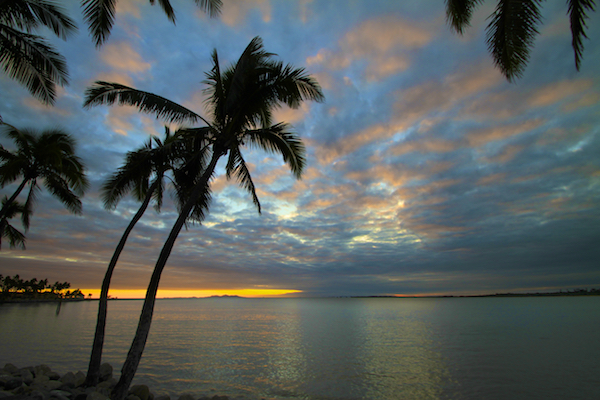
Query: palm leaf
(100, 16)
(577, 15)
(511, 33)
(211, 7)
(277, 139)
(59, 188)
(15, 238)
(110, 93)
(459, 13)
(31, 61)
(236, 166)
(166, 6)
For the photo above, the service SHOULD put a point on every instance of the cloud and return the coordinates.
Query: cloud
(234, 12)
(382, 43)
(122, 57)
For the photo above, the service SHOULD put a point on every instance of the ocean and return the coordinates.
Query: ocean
(330, 348)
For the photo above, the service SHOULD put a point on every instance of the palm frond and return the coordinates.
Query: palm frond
(30, 60)
(459, 13)
(277, 139)
(59, 188)
(577, 15)
(134, 173)
(211, 7)
(236, 166)
(111, 93)
(167, 8)
(28, 206)
(100, 17)
(511, 33)
(15, 238)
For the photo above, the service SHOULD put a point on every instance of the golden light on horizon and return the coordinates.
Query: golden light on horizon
(170, 293)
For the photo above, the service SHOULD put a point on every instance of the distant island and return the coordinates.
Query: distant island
(576, 292)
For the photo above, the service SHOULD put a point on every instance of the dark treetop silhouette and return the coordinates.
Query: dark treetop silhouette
(48, 156)
(100, 15)
(28, 58)
(513, 27)
(241, 99)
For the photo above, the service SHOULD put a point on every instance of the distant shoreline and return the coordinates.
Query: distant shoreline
(582, 292)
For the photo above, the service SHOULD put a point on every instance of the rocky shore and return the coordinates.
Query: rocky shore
(41, 383)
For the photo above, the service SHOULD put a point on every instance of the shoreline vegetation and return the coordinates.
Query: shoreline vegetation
(17, 290)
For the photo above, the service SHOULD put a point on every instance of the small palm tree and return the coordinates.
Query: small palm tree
(100, 15)
(513, 27)
(142, 174)
(15, 238)
(242, 98)
(49, 157)
(28, 58)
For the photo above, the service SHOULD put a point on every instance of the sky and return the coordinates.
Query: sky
(428, 173)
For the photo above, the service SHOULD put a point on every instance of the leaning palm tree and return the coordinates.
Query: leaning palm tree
(143, 174)
(242, 99)
(100, 15)
(513, 27)
(29, 58)
(49, 157)
(15, 238)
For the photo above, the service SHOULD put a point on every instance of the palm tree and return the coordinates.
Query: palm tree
(241, 99)
(29, 58)
(513, 27)
(100, 15)
(50, 157)
(15, 238)
(143, 174)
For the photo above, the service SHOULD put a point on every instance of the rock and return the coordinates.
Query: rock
(36, 395)
(106, 371)
(10, 368)
(41, 370)
(68, 378)
(132, 397)
(26, 375)
(81, 396)
(111, 383)
(186, 396)
(5, 394)
(60, 394)
(96, 396)
(163, 397)
(41, 380)
(103, 390)
(79, 379)
(53, 385)
(141, 391)
(13, 383)
(53, 376)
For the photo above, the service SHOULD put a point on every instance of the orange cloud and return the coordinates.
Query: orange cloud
(382, 42)
(234, 12)
(121, 56)
(481, 137)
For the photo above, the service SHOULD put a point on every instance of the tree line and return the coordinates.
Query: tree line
(17, 288)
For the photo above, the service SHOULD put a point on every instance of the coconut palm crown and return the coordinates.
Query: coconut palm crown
(241, 99)
(513, 27)
(14, 236)
(29, 58)
(47, 157)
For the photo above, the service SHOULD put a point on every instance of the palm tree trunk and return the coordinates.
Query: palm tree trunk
(96, 357)
(3, 220)
(141, 335)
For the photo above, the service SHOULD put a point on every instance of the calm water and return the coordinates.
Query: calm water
(458, 348)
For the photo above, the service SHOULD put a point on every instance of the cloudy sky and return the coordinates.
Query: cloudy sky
(428, 172)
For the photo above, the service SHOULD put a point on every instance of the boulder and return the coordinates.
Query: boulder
(106, 371)
(60, 394)
(10, 368)
(68, 378)
(13, 383)
(141, 391)
(53, 376)
(36, 395)
(163, 397)
(5, 394)
(79, 379)
(26, 375)
(110, 383)
(80, 396)
(41, 370)
(132, 397)
(96, 396)
(53, 385)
